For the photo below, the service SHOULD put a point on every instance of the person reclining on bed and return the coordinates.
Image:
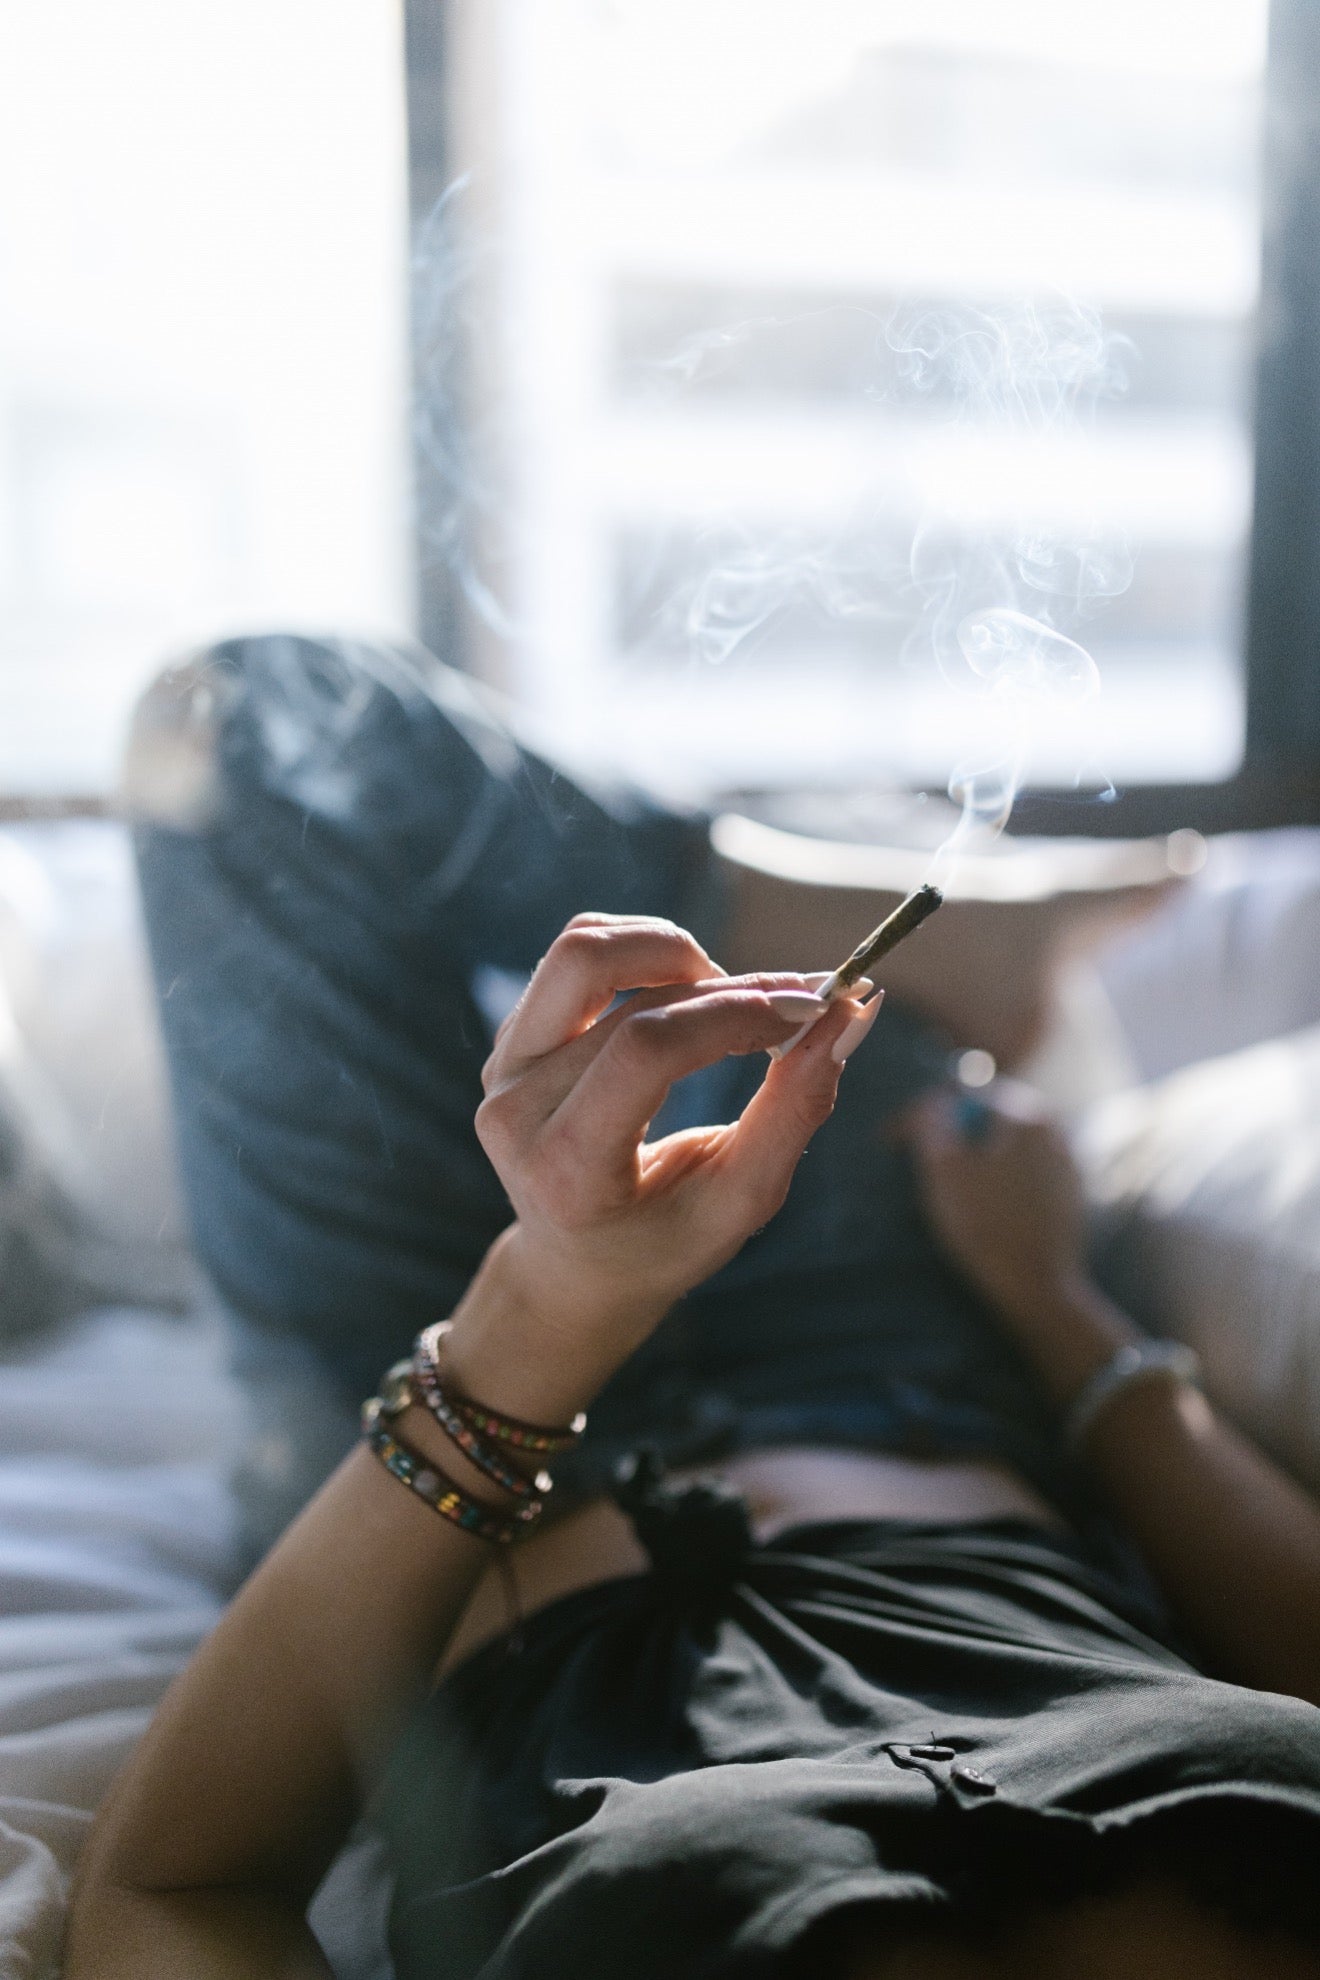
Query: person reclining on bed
(842, 1658)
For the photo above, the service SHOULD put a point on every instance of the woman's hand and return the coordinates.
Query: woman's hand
(1003, 1194)
(608, 1223)
(1232, 1542)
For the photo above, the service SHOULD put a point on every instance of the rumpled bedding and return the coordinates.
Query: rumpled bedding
(117, 1547)
(116, 1528)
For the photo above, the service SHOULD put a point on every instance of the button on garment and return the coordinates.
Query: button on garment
(972, 1781)
(683, 1771)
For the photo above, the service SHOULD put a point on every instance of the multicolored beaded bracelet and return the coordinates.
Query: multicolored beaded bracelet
(534, 1437)
(431, 1484)
(424, 1383)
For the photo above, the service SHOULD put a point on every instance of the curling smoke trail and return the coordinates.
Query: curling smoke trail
(1013, 380)
(990, 410)
(1023, 667)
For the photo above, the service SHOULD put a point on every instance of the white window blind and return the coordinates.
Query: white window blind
(711, 231)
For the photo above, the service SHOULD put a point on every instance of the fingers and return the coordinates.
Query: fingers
(861, 988)
(583, 970)
(607, 1112)
(522, 1096)
(542, 1084)
(796, 1097)
(856, 1030)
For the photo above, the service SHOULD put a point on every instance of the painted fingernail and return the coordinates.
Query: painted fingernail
(852, 1035)
(797, 1006)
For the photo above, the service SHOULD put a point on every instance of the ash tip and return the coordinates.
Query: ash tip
(919, 903)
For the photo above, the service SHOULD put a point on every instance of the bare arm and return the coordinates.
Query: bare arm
(1233, 1541)
(219, 1829)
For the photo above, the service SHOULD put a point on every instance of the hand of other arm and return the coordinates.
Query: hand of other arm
(1233, 1541)
(220, 1827)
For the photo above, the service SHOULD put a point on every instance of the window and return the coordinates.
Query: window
(811, 325)
(203, 353)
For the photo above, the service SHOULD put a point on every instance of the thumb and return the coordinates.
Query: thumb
(795, 1098)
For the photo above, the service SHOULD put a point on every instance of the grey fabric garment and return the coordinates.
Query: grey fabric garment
(684, 1771)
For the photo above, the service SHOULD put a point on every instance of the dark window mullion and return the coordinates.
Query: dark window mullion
(1283, 611)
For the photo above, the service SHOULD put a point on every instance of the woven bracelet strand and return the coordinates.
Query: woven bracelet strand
(538, 1438)
(425, 1383)
(435, 1488)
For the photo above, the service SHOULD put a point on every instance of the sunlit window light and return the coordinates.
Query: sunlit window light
(699, 225)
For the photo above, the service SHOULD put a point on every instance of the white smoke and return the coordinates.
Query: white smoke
(987, 589)
(1018, 378)
(998, 402)
(458, 491)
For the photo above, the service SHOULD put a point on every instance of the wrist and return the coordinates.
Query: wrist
(535, 1338)
(1069, 1331)
(1168, 1365)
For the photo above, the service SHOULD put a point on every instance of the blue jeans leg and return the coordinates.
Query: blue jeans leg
(376, 843)
(376, 838)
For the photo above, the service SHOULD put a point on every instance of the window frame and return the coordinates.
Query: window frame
(1278, 782)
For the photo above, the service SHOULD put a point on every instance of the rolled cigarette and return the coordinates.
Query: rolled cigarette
(907, 916)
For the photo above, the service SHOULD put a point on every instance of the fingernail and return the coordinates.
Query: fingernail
(852, 1035)
(797, 1006)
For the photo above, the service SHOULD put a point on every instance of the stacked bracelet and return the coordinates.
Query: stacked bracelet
(433, 1485)
(1138, 1361)
(533, 1437)
(487, 1422)
(446, 1411)
(475, 1430)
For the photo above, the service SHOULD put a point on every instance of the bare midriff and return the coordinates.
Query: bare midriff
(785, 1487)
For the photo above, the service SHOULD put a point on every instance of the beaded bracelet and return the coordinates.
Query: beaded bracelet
(536, 1437)
(432, 1485)
(424, 1383)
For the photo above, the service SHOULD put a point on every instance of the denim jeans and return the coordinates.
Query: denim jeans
(381, 861)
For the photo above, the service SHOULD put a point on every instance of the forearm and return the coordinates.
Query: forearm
(120, 1934)
(253, 1769)
(250, 1775)
(218, 1830)
(1232, 1541)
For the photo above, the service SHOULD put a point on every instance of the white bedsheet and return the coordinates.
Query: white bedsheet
(116, 1546)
